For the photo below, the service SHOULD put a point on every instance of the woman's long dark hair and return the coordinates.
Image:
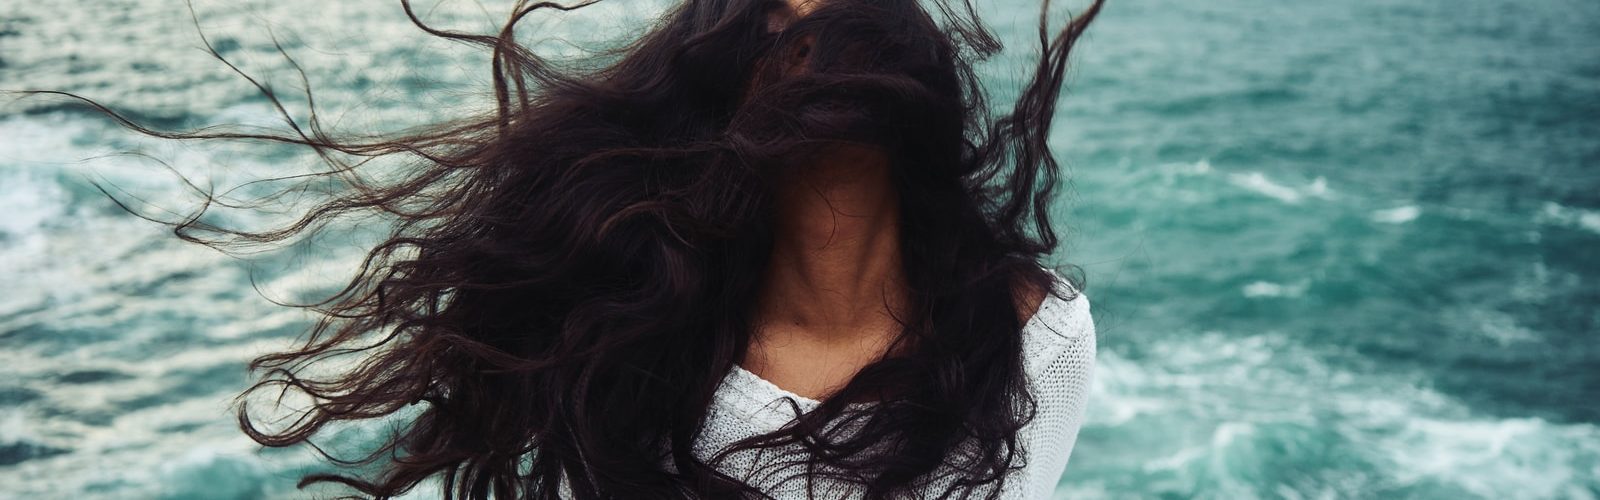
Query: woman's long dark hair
(569, 278)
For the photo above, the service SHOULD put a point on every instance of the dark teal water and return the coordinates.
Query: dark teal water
(1336, 249)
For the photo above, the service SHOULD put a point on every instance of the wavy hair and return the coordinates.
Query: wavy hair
(569, 277)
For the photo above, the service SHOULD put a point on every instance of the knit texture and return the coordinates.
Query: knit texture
(1059, 359)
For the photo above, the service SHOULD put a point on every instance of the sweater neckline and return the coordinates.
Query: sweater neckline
(766, 386)
(766, 392)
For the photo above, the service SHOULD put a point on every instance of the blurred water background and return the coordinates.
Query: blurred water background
(1337, 249)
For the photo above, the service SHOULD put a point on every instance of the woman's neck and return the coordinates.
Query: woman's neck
(835, 270)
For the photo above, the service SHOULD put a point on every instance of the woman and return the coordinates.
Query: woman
(771, 250)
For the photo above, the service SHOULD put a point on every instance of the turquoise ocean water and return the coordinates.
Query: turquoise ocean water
(1336, 249)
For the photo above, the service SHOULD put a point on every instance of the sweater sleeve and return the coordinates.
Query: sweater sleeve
(1062, 368)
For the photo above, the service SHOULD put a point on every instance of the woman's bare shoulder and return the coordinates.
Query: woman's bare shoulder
(1062, 310)
(1030, 297)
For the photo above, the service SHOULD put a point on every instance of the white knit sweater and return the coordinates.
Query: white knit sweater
(1059, 352)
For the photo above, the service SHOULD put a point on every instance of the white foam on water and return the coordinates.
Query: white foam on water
(1520, 457)
(14, 428)
(1587, 220)
(312, 276)
(1267, 289)
(29, 198)
(1496, 326)
(99, 281)
(1259, 183)
(1397, 215)
(1319, 188)
(270, 321)
(1202, 167)
(1211, 413)
(211, 472)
